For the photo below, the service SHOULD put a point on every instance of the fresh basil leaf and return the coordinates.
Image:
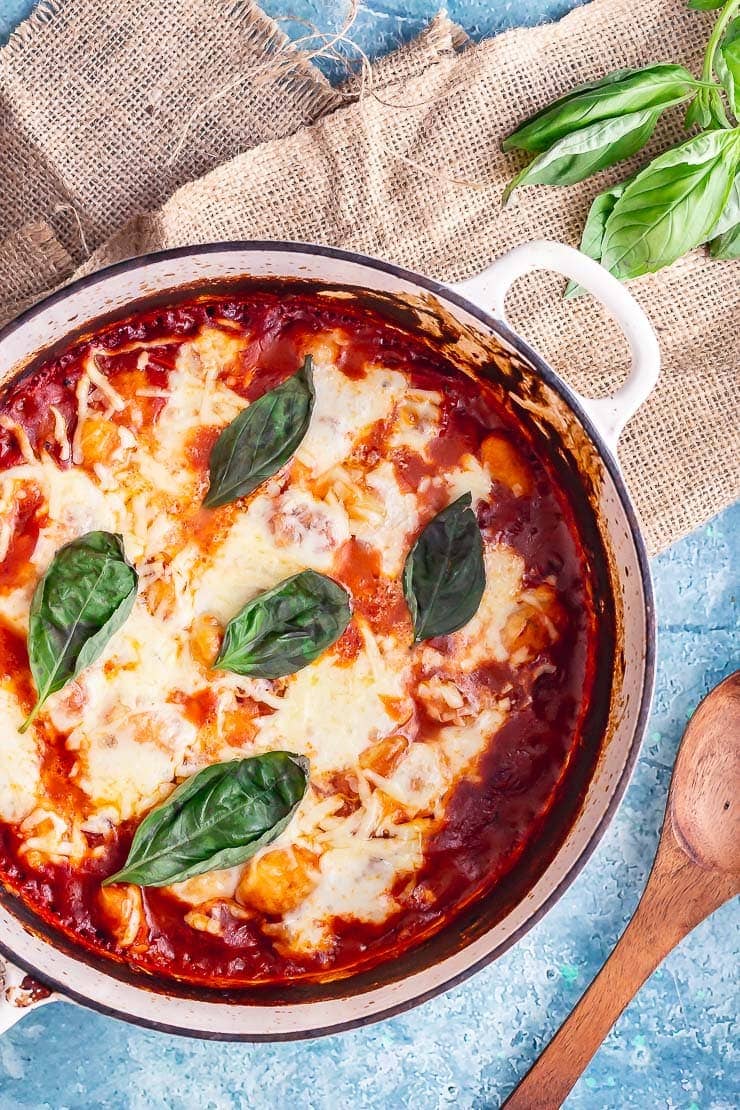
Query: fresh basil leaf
(444, 576)
(697, 113)
(83, 598)
(621, 92)
(705, 5)
(261, 439)
(727, 65)
(593, 230)
(218, 818)
(284, 629)
(726, 245)
(586, 151)
(672, 205)
(731, 211)
(717, 109)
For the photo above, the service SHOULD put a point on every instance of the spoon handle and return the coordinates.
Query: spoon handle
(679, 894)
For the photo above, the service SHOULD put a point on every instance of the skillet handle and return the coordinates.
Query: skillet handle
(489, 289)
(19, 994)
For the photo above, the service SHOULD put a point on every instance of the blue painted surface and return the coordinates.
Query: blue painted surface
(380, 24)
(672, 1048)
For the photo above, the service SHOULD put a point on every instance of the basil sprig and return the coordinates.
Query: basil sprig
(261, 439)
(216, 819)
(681, 199)
(284, 629)
(444, 575)
(84, 597)
(619, 93)
(587, 150)
(672, 206)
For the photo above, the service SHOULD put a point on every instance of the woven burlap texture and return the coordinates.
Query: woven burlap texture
(105, 109)
(411, 171)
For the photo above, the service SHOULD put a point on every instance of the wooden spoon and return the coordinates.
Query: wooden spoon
(696, 870)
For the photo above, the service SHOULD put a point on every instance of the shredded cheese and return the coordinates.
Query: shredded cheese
(60, 434)
(21, 436)
(114, 398)
(82, 395)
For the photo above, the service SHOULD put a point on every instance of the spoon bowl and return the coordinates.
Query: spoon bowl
(703, 803)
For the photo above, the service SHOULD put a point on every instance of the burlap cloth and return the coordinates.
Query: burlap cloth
(108, 110)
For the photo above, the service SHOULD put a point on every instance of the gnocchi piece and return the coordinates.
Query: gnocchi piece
(124, 909)
(445, 702)
(205, 639)
(160, 597)
(99, 440)
(532, 627)
(384, 756)
(209, 916)
(505, 465)
(278, 881)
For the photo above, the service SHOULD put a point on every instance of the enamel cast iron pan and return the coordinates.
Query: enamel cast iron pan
(468, 319)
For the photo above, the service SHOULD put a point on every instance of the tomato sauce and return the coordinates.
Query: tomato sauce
(501, 825)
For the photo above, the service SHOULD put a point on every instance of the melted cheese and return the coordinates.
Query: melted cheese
(75, 505)
(469, 478)
(332, 712)
(396, 519)
(417, 420)
(343, 410)
(129, 740)
(196, 396)
(245, 563)
(481, 638)
(127, 766)
(355, 882)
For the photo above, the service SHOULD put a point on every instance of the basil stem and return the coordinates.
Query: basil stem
(727, 65)
(708, 110)
(725, 18)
